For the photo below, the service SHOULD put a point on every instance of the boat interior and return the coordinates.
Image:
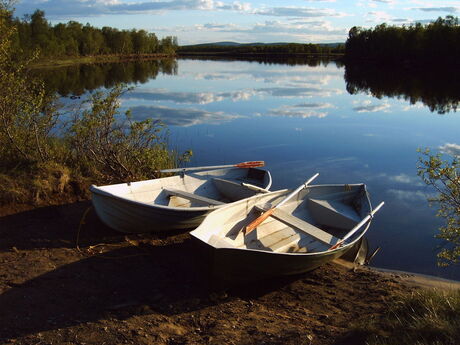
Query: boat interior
(196, 189)
(312, 222)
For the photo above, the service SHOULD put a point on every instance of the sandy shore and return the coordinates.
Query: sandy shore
(68, 280)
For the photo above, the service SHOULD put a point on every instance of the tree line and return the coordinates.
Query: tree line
(255, 49)
(74, 39)
(417, 43)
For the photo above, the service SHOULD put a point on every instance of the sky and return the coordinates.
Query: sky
(268, 21)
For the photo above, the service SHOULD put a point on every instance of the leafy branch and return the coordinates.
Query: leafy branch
(444, 176)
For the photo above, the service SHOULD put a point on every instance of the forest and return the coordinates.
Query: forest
(264, 49)
(414, 44)
(72, 39)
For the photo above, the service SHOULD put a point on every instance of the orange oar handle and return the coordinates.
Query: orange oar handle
(338, 244)
(253, 164)
(255, 223)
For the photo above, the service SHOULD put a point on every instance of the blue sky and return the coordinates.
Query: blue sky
(199, 21)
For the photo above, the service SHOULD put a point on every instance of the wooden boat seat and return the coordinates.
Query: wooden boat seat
(302, 225)
(191, 196)
(333, 213)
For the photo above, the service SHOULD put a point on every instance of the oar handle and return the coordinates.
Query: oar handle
(251, 164)
(256, 222)
(358, 226)
(254, 188)
(297, 190)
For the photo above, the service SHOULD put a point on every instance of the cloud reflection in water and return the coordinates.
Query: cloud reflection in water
(183, 117)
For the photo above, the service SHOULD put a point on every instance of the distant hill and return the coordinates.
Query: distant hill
(236, 44)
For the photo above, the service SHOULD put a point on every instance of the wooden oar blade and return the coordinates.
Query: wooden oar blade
(252, 164)
(256, 222)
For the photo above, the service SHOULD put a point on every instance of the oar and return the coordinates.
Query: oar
(357, 227)
(256, 222)
(252, 164)
(254, 188)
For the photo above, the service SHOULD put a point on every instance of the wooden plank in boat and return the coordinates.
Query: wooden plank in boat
(302, 225)
(191, 196)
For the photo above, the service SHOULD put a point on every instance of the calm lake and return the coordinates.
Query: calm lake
(303, 118)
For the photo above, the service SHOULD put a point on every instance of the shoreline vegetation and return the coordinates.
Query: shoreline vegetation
(50, 154)
(70, 61)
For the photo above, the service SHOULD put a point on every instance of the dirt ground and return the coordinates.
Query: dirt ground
(151, 289)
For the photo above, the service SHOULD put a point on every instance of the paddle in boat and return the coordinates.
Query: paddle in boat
(283, 232)
(177, 202)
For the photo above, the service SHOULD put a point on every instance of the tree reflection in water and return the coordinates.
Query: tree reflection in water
(436, 88)
(76, 79)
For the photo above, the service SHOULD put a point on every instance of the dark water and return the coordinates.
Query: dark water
(351, 125)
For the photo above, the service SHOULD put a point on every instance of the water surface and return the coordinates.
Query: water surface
(306, 118)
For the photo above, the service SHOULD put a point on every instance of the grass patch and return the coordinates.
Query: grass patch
(423, 317)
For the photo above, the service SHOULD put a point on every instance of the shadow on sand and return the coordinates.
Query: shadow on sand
(49, 284)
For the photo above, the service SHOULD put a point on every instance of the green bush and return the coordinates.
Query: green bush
(45, 160)
(112, 147)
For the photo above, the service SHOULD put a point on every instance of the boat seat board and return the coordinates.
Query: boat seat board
(191, 196)
(302, 225)
(333, 213)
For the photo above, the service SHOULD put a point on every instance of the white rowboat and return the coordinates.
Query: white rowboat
(297, 237)
(177, 202)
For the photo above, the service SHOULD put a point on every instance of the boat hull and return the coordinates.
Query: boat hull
(145, 206)
(125, 216)
(226, 249)
(230, 266)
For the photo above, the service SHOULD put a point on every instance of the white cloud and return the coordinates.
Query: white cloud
(402, 178)
(380, 17)
(368, 107)
(183, 117)
(300, 114)
(298, 12)
(448, 9)
(385, 1)
(409, 195)
(290, 92)
(189, 97)
(305, 110)
(106, 7)
(418, 105)
(300, 30)
(314, 105)
(450, 149)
